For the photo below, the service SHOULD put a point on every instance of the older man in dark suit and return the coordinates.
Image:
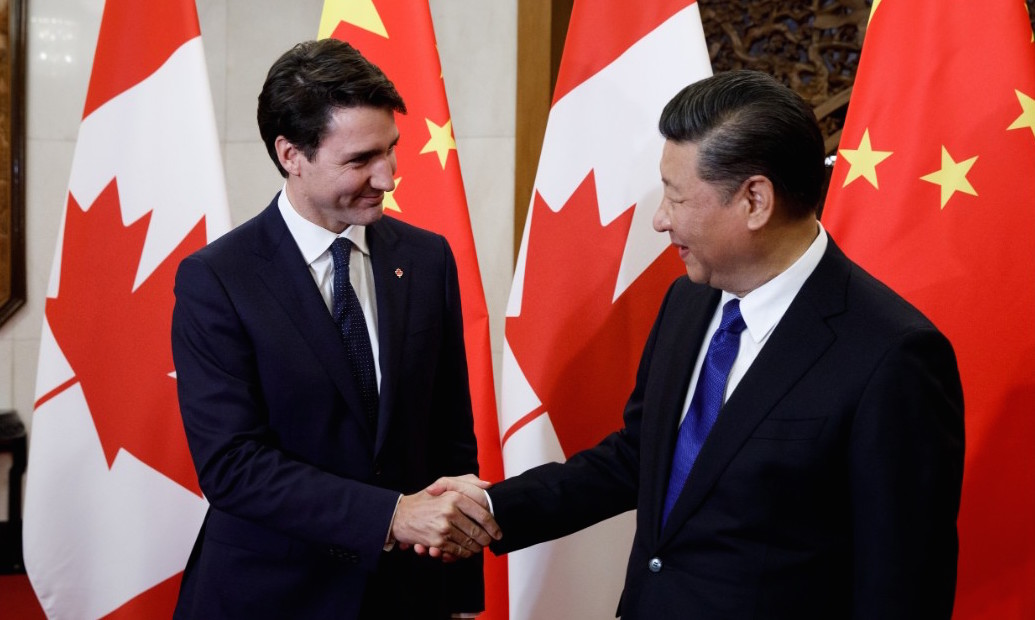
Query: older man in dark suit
(322, 377)
(794, 441)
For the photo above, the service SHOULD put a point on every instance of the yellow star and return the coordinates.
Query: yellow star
(1027, 117)
(389, 201)
(952, 176)
(863, 161)
(441, 140)
(360, 13)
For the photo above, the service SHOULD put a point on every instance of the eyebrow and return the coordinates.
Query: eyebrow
(370, 152)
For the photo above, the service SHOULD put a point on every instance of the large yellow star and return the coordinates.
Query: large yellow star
(441, 140)
(863, 161)
(360, 13)
(952, 176)
(389, 200)
(1027, 117)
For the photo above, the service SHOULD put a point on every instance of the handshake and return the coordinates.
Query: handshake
(450, 519)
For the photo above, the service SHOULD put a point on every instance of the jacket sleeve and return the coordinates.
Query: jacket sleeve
(241, 467)
(557, 499)
(906, 467)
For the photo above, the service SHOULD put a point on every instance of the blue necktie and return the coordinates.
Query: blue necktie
(706, 402)
(348, 314)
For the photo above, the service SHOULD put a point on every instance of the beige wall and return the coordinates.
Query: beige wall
(477, 46)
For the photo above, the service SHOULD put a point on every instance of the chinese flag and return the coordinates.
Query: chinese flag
(112, 502)
(934, 193)
(590, 276)
(399, 38)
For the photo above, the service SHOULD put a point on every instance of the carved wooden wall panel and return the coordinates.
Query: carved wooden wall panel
(812, 46)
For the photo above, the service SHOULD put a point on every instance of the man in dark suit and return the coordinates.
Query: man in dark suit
(322, 376)
(824, 480)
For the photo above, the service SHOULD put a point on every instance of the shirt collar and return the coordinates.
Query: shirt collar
(313, 240)
(763, 307)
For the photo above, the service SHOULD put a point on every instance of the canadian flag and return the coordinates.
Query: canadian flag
(590, 276)
(112, 502)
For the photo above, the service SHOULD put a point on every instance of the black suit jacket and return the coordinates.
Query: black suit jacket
(828, 487)
(302, 488)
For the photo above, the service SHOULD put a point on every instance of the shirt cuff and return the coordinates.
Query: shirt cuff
(389, 539)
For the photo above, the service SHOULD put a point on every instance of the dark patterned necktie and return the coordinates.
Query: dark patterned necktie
(348, 314)
(706, 402)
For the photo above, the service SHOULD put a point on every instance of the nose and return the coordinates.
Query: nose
(661, 221)
(382, 176)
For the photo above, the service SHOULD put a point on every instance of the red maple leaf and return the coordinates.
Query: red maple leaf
(117, 340)
(578, 350)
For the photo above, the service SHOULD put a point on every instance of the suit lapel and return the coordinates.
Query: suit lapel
(392, 275)
(798, 341)
(289, 282)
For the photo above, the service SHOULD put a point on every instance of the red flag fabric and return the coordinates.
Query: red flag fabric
(590, 276)
(399, 38)
(112, 502)
(934, 193)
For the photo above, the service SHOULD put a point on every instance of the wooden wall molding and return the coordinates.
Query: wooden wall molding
(12, 158)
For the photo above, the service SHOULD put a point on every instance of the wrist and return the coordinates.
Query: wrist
(390, 537)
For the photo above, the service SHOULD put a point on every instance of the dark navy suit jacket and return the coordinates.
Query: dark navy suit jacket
(828, 487)
(302, 487)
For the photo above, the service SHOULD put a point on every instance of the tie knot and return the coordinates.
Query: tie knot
(340, 251)
(731, 320)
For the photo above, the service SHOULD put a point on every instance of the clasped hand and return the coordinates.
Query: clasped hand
(449, 519)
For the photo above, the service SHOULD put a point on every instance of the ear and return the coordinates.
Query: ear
(759, 200)
(288, 154)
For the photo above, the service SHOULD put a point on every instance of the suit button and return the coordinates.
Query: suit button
(654, 565)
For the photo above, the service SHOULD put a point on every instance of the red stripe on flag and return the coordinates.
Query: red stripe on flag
(522, 421)
(51, 394)
(135, 39)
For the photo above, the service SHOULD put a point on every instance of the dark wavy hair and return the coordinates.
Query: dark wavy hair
(307, 83)
(746, 123)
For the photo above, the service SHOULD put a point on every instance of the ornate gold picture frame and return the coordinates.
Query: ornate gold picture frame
(12, 158)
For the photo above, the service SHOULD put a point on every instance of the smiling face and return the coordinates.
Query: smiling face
(344, 182)
(711, 234)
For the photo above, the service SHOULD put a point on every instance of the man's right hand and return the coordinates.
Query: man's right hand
(454, 522)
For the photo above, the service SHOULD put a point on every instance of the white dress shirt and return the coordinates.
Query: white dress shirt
(315, 244)
(762, 310)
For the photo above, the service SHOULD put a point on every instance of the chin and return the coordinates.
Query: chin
(695, 275)
(373, 215)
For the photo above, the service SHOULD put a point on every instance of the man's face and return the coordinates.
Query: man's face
(345, 181)
(710, 235)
